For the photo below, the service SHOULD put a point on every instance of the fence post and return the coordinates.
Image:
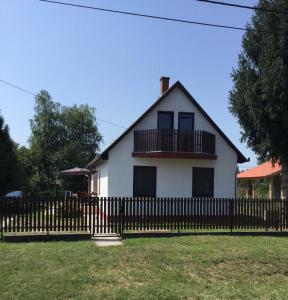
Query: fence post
(281, 214)
(94, 210)
(122, 212)
(178, 214)
(231, 213)
(1, 219)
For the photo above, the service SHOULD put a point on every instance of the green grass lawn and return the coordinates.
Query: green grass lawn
(185, 267)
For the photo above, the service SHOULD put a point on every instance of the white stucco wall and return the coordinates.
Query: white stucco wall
(174, 176)
(94, 183)
(102, 171)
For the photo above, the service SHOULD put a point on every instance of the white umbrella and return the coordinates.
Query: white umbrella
(76, 171)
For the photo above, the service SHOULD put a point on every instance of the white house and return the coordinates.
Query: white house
(174, 149)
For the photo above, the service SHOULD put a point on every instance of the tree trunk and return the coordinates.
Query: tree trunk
(284, 179)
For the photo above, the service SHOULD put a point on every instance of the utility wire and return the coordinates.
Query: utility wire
(17, 87)
(110, 123)
(155, 17)
(243, 6)
(31, 93)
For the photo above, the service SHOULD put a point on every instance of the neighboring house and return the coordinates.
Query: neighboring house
(173, 150)
(267, 170)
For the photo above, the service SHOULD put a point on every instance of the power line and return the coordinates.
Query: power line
(113, 124)
(31, 93)
(243, 6)
(155, 17)
(17, 87)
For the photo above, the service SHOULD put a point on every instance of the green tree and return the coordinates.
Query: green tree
(81, 140)
(62, 137)
(45, 141)
(26, 169)
(259, 98)
(9, 176)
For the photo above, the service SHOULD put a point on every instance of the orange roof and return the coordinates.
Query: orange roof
(264, 170)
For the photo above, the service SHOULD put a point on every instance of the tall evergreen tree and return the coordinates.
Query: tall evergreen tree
(259, 98)
(9, 177)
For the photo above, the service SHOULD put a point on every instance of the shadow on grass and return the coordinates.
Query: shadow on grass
(129, 235)
(52, 237)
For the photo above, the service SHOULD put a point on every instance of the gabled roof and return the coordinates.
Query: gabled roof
(178, 84)
(264, 170)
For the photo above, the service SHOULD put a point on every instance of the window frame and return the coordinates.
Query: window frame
(171, 113)
(194, 183)
(134, 180)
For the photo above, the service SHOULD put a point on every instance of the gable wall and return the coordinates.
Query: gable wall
(174, 176)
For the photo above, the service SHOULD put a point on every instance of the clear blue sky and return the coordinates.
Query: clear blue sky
(114, 62)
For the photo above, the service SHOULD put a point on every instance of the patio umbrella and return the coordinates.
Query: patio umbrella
(76, 171)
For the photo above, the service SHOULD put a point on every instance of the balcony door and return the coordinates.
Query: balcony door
(165, 125)
(165, 120)
(186, 121)
(185, 132)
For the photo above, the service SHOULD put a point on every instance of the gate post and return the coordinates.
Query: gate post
(231, 213)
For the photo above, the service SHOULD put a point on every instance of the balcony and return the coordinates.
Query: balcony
(174, 143)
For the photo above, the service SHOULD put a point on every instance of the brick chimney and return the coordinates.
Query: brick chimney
(164, 84)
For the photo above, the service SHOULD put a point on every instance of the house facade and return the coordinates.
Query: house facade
(266, 171)
(173, 150)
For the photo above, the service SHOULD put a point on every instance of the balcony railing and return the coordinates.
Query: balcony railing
(174, 140)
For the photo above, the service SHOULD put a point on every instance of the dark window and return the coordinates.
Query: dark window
(165, 120)
(185, 133)
(165, 135)
(203, 182)
(144, 181)
(186, 121)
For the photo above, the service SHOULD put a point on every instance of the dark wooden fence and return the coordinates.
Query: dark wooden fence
(174, 140)
(45, 214)
(116, 215)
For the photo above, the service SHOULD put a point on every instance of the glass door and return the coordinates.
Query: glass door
(165, 125)
(185, 135)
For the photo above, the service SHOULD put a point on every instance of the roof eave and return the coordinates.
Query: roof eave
(260, 177)
(95, 162)
(241, 159)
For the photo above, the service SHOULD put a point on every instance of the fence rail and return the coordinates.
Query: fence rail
(116, 215)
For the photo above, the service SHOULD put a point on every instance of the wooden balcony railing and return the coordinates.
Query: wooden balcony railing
(174, 140)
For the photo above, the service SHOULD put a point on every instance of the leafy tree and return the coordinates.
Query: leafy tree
(81, 140)
(62, 137)
(45, 141)
(259, 98)
(26, 169)
(261, 160)
(9, 176)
